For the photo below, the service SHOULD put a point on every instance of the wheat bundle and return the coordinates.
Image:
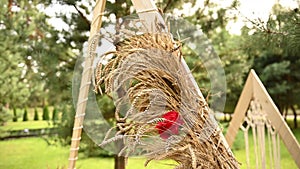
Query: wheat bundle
(158, 110)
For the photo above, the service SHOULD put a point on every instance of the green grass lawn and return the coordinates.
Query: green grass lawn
(31, 153)
(26, 125)
(28, 153)
(30, 124)
(287, 161)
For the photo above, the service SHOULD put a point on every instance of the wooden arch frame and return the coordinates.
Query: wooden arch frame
(254, 89)
(147, 12)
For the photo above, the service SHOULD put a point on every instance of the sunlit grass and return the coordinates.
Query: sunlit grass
(26, 125)
(240, 152)
(27, 153)
(30, 153)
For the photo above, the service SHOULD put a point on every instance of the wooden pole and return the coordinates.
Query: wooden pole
(85, 82)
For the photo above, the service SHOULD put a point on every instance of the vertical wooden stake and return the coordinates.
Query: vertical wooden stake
(85, 82)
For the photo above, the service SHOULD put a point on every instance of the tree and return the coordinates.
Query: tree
(15, 116)
(275, 46)
(25, 115)
(46, 113)
(34, 59)
(4, 115)
(36, 115)
(54, 115)
(66, 124)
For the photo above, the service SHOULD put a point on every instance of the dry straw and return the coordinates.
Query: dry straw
(146, 79)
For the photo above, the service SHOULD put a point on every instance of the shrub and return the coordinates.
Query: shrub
(66, 123)
(15, 116)
(36, 115)
(54, 115)
(4, 115)
(25, 115)
(46, 113)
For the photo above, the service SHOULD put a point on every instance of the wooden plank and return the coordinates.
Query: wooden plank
(148, 14)
(273, 114)
(85, 84)
(240, 110)
(97, 17)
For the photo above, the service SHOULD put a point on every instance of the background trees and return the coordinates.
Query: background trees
(37, 58)
(274, 47)
(34, 61)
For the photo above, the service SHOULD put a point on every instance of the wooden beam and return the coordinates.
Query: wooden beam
(240, 111)
(85, 82)
(97, 17)
(149, 15)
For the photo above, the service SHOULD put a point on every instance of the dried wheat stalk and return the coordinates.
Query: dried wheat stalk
(146, 80)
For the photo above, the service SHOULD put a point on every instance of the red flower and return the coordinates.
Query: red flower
(170, 125)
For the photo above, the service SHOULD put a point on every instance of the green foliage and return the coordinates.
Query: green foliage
(106, 107)
(26, 125)
(36, 115)
(66, 124)
(25, 115)
(15, 116)
(4, 115)
(54, 115)
(34, 58)
(90, 149)
(274, 47)
(46, 113)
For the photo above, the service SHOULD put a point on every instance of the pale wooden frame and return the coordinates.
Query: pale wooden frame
(254, 89)
(85, 82)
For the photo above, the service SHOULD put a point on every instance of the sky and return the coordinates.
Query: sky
(254, 9)
(251, 9)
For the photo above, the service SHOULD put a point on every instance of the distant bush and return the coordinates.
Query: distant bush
(66, 124)
(54, 115)
(65, 127)
(25, 115)
(15, 116)
(4, 115)
(46, 113)
(36, 115)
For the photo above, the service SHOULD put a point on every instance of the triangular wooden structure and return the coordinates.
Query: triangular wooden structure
(254, 89)
(148, 12)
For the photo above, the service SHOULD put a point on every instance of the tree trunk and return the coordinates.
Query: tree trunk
(10, 3)
(295, 117)
(119, 162)
(285, 113)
